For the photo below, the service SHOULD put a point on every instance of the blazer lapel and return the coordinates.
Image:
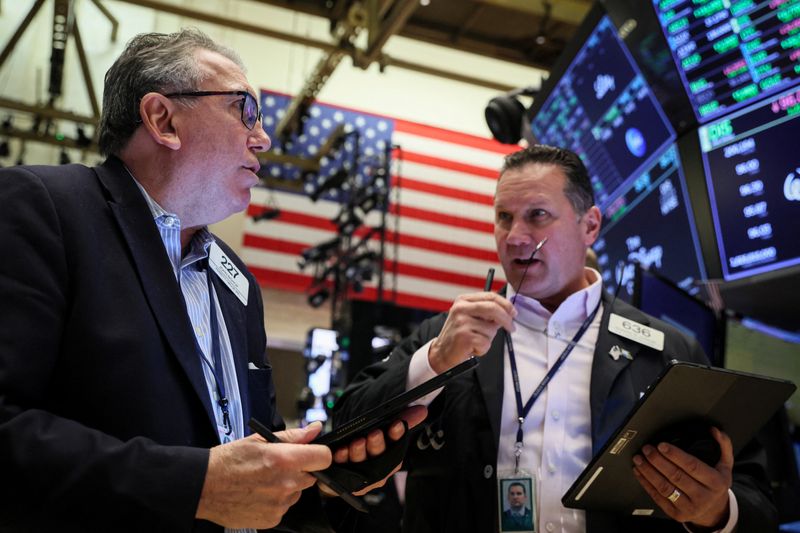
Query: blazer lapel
(490, 380)
(606, 369)
(155, 272)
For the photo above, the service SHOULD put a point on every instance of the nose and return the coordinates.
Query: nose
(518, 234)
(258, 140)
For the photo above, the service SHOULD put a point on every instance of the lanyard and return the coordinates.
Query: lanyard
(219, 378)
(522, 411)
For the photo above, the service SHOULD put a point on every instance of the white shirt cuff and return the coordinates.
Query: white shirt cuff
(733, 515)
(420, 371)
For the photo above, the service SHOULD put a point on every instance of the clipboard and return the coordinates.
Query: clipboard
(387, 412)
(687, 398)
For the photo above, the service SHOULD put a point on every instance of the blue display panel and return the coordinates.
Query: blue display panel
(651, 224)
(753, 175)
(732, 53)
(602, 109)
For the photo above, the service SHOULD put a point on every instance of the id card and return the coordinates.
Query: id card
(515, 493)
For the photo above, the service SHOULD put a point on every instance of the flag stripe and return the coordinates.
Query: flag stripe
(441, 190)
(448, 165)
(451, 136)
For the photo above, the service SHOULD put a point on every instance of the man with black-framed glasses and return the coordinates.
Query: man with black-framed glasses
(132, 346)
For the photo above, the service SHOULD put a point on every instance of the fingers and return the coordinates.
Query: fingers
(413, 417)
(726, 449)
(471, 325)
(684, 487)
(375, 443)
(300, 435)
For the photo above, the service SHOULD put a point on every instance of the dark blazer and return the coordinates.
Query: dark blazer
(105, 418)
(452, 484)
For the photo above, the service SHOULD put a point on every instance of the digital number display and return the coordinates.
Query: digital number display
(603, 110)
(730, 53)
(651, 224)
(753, 177)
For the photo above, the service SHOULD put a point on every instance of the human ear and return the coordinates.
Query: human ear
(592, 219)
(157, 113)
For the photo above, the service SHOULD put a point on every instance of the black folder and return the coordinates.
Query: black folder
(388, 411)
(678, 407)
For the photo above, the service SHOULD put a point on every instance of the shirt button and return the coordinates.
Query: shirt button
(169, 221)
(199, 331)
(550, 526)
(487, 471)
(556, 415)
(551, 468)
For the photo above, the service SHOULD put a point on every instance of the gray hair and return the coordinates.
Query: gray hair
(578, 189)
(151, 62)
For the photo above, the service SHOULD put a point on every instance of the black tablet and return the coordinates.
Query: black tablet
(388, 411)
(680, 406)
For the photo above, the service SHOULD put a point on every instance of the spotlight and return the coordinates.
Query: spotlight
(319, 252)
(347, 222)
(317, 296)
(504, 115)
(333, 181)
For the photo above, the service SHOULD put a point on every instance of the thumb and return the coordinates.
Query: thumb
(300, 435)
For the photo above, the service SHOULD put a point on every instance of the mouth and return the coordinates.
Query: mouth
(525, 261)
(253, 167)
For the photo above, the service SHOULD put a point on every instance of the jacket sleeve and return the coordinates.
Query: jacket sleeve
(53, 466)
(383, 380)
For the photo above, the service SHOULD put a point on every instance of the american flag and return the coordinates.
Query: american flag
(439, 238)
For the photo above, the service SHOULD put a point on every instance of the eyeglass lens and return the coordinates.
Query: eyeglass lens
(250, 114)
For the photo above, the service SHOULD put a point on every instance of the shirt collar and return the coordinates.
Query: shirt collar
(577, 305)
(202, 239)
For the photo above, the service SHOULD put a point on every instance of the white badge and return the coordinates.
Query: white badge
(225, 270)
(630, 329)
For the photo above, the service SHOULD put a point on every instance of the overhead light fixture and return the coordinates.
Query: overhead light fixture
(318, 295)
(334, 181)
(504, 115)
(319, 252)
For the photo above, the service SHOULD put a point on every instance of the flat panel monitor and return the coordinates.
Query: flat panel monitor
(752, 170)
(664, 300)
(602, 109)
(731, 53)
(650, 224)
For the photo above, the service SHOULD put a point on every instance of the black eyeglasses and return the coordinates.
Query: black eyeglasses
(250, 112)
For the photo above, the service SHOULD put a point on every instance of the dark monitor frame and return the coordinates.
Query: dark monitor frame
(718, 337)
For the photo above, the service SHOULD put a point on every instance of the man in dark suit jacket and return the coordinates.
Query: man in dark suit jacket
(108, 420)
(545, 193)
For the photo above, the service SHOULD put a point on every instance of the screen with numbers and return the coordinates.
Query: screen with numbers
(731, 53)
(602, 109)
(753, 177)
(651, 224)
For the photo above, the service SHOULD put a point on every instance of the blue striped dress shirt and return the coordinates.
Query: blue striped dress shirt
(193, 281)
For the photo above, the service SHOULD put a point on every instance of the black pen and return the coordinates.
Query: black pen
(269, 436)
(489, 279)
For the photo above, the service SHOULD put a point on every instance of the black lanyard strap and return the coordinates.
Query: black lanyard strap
(216, 352)
(522, 411)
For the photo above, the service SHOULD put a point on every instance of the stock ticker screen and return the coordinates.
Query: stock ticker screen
(602, 109)
(731, 53)
(651, 224)
(753, 176)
